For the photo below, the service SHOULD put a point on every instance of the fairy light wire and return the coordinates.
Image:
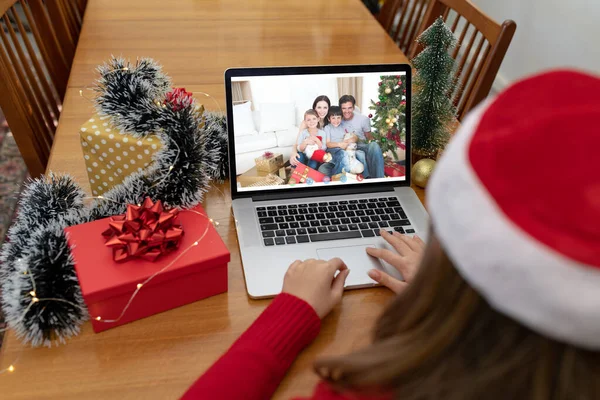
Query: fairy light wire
(139, 286)
(33, 293)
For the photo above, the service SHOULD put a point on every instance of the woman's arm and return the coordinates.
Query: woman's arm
(257, 362)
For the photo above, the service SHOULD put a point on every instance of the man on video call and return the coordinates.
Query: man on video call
(361, 125)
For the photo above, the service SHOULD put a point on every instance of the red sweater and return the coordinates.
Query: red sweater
(257, 362)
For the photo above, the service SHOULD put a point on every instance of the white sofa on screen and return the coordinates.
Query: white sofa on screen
(273, 128)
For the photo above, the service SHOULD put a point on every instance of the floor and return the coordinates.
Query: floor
(13, 173)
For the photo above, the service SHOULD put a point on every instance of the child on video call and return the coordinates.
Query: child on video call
(311, 136)
(336, 143)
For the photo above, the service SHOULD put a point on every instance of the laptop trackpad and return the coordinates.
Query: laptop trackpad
(357, 260)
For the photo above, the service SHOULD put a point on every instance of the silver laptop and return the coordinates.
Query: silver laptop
(324, 206)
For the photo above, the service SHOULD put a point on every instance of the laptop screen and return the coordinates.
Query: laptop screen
(321, 129)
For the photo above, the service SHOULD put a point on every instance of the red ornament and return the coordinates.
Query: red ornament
(146, 231)
(403, 103)
(399, 83)
(380, 83)
(370, 115)
(178, 99)
(378, 103)
(398, 76)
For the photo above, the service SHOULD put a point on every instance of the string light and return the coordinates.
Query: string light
(35, 299)
(11, 367)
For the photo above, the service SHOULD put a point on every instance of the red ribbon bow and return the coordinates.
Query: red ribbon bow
(178, 98)
(268, 154)
(145, 231)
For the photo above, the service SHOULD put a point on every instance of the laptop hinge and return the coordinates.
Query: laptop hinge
(301, 194)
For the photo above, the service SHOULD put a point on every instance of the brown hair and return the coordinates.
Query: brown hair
(441, 340)
(326, 100)
(347, 98)
(311, 112)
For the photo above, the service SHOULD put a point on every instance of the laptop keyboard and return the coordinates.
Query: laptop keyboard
(289, 224)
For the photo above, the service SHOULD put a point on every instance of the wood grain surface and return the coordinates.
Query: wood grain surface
(195, 40)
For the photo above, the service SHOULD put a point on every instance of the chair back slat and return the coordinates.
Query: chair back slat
(19, 101)
(402, 19)
(71, 12)
(30, 82)
(469, 83)
(455, 24)
(458, 47)
(410, 14)
(37, 46)
(475, 69)
(48, 45)
(49, 94)
(50, 18)
(414, 26)
(81, 4)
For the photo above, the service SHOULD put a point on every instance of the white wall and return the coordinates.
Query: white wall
(300, 90)
(550, 34)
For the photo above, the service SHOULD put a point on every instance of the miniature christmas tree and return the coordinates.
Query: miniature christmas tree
(388, 123)
(432, 109)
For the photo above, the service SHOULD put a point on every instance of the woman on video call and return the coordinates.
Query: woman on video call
(503, 302)
(321, 106)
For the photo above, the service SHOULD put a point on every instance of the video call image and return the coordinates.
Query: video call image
(311, 130)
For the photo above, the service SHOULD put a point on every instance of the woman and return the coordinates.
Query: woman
(505, 303)
(321, 106)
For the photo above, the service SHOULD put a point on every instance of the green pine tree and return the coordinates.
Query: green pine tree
(388, 123)
(432, 110)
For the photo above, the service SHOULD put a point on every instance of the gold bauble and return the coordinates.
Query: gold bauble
(388, 90)
(421, 171)
(394, 120)
(387, 121)
(390, 124)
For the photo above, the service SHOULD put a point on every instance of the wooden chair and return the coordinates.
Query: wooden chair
(37, 45)
(402, 19)
(477, 62)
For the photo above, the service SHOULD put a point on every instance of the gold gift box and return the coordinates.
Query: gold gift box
(110, 155)
(269, 164)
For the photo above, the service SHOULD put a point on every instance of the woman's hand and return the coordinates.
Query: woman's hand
(313, 281)
(294, 158)
(310, 140)
(406, 260)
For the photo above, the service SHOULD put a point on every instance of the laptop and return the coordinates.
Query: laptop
(290, 212)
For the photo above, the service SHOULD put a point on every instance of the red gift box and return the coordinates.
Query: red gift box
(107, 285)
(394, 170)
(303, 172)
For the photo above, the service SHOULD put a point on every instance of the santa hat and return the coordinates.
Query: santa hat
(515, 203)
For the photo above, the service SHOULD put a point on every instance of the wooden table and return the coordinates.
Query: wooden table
(195, 40)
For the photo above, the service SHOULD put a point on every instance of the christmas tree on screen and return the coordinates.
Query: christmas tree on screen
(388, 123)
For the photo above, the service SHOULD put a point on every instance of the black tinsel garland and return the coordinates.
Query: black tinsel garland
(36, 259)
(216, 127)
(130, 94)
(194, 152)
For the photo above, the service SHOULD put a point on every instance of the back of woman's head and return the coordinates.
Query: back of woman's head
(506, 304)
(440, 339)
